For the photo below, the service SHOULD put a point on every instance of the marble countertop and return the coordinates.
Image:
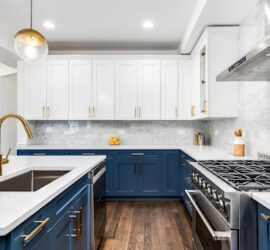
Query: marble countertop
(30, 202)
(196, 152)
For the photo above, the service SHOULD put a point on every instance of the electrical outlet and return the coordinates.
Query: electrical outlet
(121, 132)
(181, 132)
(263, 156)
(216, 132)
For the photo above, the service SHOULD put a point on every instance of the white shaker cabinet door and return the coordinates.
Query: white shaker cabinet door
(195, 90)
(169, 90)
(149, 90)
(126, 90)
(35, 91)
(57, 90)
(103, 90)
(80, 89)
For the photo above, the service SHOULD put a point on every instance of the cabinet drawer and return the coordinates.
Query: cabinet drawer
(68, 197)
(17, 236)
(40, 152)
(139, 153)
(87, 152)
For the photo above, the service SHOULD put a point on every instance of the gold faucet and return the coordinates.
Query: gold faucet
(27, 130)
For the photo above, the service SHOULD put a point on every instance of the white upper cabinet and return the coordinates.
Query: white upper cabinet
(169, 90)
(126, 90)
(80, 89)
(149, 90)
(103, 89)
(184, 88)
(57, 90)
(34, 91)
(215, 50)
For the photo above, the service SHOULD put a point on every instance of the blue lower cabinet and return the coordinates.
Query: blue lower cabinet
(263, 228)
(173, 173)
(2, 243)
(62, 232)
(43, 243)
(125, 177)
(109, 177)
(150, 177)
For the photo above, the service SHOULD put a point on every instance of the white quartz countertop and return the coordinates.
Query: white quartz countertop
(263, 198)
(16, 207)
(196, 152)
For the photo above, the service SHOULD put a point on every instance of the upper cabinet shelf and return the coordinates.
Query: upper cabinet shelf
(133, 87)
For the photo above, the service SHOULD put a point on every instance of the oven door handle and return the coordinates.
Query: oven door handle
(217, 235)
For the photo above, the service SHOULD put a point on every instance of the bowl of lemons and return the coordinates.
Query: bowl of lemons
(114, 140)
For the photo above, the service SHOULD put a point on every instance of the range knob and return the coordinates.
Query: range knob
(214, 195)
(209, 189)
(204, 185)
(200, 181)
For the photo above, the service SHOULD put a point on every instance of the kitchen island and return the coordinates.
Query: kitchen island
(50, 207)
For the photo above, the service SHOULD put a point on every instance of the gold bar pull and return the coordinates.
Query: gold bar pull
(48, 111)
(192, 110)
(265, 217)
(88, 154)
(39, 154)
(43, 111)
(36, 230)
(135, 112)
(140, 111)
(89, 111)
(204, 106)
(176, 111)
(93, 111)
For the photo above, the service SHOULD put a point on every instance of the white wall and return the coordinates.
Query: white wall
(8, 104)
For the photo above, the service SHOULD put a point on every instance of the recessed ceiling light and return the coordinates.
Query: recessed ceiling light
(148, 24)
(48, 25)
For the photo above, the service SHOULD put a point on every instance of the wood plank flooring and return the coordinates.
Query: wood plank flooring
(147, 226)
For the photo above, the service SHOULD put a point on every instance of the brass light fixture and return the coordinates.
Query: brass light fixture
(29, 44)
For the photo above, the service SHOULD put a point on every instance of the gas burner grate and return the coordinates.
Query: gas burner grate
(242, 175)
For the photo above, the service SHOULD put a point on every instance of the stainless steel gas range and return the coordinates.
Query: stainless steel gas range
(224, 214)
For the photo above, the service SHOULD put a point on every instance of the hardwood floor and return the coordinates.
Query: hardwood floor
(147, 226)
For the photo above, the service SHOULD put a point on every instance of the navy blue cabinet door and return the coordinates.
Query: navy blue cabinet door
(174, 174)
(62, 233)
(125, 177)
(150, 177)
(109, 176)
(263, 228)
(43, 243)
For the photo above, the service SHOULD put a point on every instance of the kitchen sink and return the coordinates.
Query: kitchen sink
(31, 181)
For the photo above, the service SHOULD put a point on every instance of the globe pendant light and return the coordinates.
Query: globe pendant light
(30, 45)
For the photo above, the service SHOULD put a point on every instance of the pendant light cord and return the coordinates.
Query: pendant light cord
(31, 11)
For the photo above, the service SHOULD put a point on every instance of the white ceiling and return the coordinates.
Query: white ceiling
(117, 24)
(101, 24)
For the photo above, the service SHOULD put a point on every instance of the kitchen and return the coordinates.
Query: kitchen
(147, 129)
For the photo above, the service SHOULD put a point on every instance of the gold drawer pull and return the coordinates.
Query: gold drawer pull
(39, 154)
(48, 112)
(137, 154)
(176, 111)
(36, 230)
(88, 154)
(135, 112)
(43, 111)
(192, 110)
(89, 111)
(265, 217)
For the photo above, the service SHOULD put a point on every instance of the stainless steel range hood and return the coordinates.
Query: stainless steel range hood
(254, 66)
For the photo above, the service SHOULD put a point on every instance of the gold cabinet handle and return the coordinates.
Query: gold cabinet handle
(176, 111)
(140, 111)
(265, 217)
(135, 112)
(89, 111)
(88, 154)
(93, 111)
(43, 111)
(39, 154)
(204, 106)
(48, 111)
(137, 154)
(36, 230)
(192, 110)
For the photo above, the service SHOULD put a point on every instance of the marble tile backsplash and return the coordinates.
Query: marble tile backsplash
(254, 97)
(98, 132)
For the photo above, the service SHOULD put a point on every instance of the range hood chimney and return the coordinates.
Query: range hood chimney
(255, 65)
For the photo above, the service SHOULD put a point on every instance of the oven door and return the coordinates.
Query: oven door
(210, 231)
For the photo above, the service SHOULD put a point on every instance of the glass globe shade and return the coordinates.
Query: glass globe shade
(30, 45)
